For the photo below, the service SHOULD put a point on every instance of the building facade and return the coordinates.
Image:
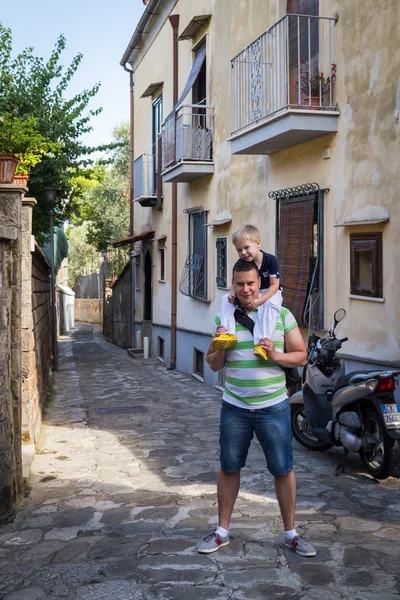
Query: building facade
(285, 114)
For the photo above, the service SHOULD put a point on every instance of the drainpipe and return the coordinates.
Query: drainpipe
(131, 208)
(174, 20)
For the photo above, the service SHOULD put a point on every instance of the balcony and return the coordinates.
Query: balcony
(282, 87)
(145, 180)
(187, 152)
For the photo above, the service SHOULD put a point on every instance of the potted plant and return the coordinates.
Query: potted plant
(21, 146)
(314, 85)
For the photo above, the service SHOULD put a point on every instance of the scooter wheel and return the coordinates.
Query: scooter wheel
(302, 432)
(379, 461)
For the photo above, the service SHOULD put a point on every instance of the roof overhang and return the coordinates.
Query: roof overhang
(153, 87)
(191, 30)
(219, 222)
(360, 223)
(133, 238)
(141, 37)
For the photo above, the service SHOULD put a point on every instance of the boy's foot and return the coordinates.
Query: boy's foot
(224, 341)
(212, 543)
(260, 352)
(301, 546)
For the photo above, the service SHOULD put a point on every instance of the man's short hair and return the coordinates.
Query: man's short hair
(246, 232)
(243, 266)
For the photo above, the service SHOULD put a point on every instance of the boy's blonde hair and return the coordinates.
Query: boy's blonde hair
(246, 232)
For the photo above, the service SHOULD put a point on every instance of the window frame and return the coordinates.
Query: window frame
(162, 265)
(160, 348)
(156, 123)
(138, 273)
(194, 293)
(366, 242)
(197, 353)
(219, 278)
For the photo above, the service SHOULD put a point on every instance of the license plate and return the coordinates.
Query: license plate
(391, 415)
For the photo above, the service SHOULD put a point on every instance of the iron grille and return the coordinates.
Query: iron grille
(194, 277)
(221, 245)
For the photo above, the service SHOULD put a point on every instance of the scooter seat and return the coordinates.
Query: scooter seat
(345, 379)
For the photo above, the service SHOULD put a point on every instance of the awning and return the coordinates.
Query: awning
(133, 238)
(160, 238)
(149, 91)
(194, 27)
(198, 63)
(218, 222)
(358, 223)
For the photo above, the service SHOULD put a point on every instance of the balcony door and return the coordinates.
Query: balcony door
(156, 131)
(303, 47)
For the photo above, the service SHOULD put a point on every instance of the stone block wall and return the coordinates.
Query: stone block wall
(117, 300)
(10, 346)
(89, 310)
(36, 338)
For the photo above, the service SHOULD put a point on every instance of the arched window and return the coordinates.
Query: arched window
(303, 44)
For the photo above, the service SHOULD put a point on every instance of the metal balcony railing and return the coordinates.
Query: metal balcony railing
(288, 66)
(145, 177)
(187, 135)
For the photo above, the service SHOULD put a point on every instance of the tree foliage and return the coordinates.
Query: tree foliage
(105, 205)
(103, 213)
(37, 88)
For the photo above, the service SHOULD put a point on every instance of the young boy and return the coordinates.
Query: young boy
(246, 240)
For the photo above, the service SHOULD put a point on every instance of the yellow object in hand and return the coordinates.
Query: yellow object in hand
(261, 352)
(224, 341)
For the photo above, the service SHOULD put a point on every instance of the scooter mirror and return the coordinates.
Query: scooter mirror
(338, 316)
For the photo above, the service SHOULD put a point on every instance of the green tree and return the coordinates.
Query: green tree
(105, 204)
(83, 257)
(37, 88)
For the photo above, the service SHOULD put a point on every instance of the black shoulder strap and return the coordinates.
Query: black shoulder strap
(244, 319)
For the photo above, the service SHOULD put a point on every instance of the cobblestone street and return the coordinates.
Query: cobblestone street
(124, 485)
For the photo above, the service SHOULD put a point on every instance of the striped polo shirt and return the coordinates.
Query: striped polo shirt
(251, 382)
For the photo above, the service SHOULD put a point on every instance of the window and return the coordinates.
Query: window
(157, 120)
(161, 348)
(138, 273)
(161, 256)
(366, 264)
(300, 247)
(194, 277)
(198, 363)
(221, 262)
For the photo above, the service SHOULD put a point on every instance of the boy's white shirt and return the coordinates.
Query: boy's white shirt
(267, 316)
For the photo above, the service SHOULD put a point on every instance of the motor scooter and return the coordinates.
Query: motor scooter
(356, 410)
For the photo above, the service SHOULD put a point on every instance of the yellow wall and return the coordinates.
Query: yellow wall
(363, 168)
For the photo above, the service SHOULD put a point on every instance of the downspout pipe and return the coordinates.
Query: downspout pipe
(174, 20)
(131, 207)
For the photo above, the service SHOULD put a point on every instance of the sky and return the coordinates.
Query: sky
(100, 30)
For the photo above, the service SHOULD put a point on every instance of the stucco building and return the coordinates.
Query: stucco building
(280, 113)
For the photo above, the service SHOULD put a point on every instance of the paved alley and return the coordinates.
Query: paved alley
(123, 487)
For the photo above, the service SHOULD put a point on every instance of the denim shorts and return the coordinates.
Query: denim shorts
(272, 428)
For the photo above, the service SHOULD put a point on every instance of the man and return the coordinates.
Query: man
(255, 401)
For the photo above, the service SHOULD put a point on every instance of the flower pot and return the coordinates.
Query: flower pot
(311, 102)
(21, 178)
(8, 164)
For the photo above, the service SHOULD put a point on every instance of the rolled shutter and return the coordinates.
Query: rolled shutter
(295, 251)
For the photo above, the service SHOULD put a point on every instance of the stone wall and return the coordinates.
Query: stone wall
(89, 310)
(117, 300)
(36, 346)
(10, 346)
(88, 286)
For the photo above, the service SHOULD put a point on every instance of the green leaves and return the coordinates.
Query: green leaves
(56, 154)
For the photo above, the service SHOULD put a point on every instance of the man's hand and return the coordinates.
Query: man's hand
(268, 345)
(231, 297)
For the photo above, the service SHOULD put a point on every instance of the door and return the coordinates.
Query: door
(147, 309)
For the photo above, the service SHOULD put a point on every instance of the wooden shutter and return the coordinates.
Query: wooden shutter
(295, 251)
